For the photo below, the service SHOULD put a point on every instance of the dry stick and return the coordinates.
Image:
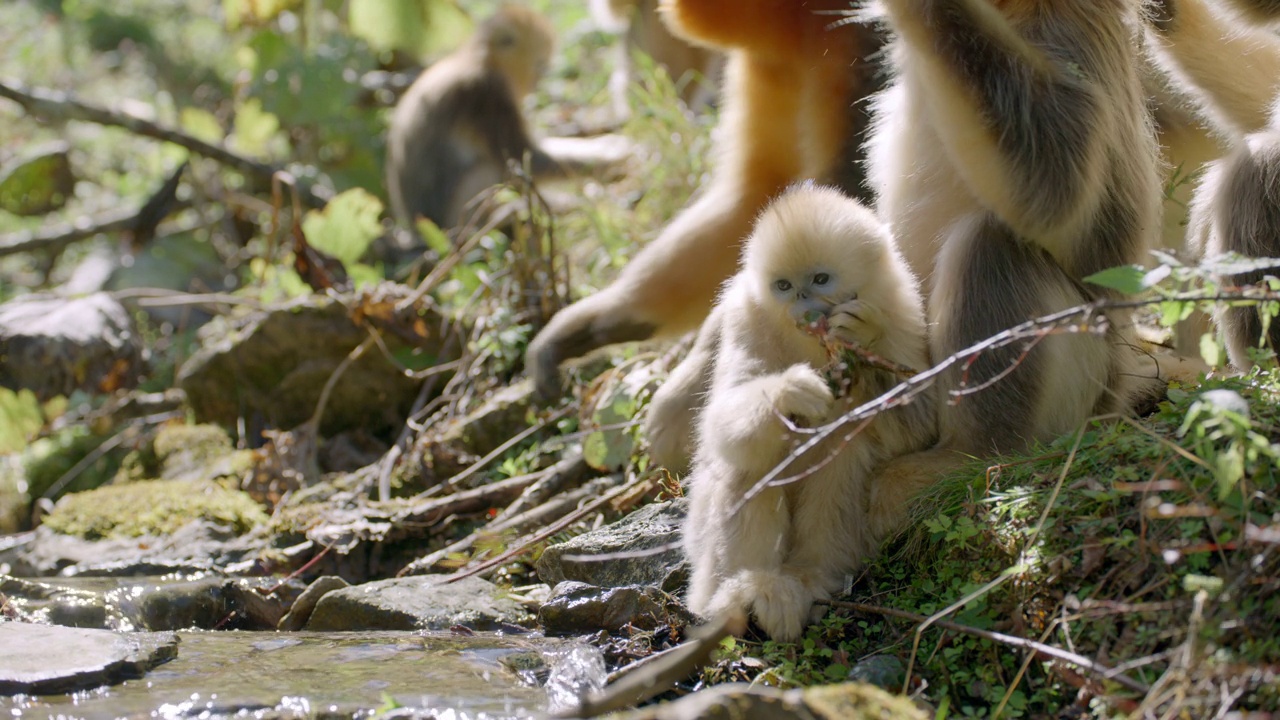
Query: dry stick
(163, 297)
(510, 443)
(546, 532)
(1011, 640)
(554, 508)
(50, 104)
(467, 500)
(571, 470)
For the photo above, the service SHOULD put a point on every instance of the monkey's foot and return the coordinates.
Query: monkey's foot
(780, 602)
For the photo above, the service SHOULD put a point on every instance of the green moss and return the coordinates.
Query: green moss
(152, 508)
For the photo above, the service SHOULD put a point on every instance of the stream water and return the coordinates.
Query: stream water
(278, 675)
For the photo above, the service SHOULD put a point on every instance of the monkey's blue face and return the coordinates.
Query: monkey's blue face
(813, 291)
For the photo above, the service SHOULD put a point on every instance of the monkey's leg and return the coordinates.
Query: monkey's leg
(831, 536)
(674, 409)
(1241, 212)
(1235, 68)
(753, 546)
(1031, 390)
(670, 285)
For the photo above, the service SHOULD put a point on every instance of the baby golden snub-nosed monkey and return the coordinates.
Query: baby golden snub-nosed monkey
(695, 70)
(1231, 61)
(1014, 156)
(791, 110)
(813, 251)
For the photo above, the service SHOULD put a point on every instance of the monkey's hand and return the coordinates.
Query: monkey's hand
(802, 394)
(857, 323)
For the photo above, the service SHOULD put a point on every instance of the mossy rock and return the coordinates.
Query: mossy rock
(187, 452)
(152, 508)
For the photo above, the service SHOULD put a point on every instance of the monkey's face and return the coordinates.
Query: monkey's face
(813, 249)
(809, 291)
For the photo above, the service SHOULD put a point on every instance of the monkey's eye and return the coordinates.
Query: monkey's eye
(783, 285)
(821, 279)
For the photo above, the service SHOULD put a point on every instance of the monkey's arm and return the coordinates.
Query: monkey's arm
(743, 417)
(1025, 127)
(1233, 67)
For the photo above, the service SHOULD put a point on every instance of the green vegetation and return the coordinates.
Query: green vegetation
(152, 508)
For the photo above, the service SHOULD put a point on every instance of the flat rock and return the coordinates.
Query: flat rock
(649, 527)
(54, 345)
(44, 659)
(577, 608)
(416, 603)
(199, 542)
(172, 602)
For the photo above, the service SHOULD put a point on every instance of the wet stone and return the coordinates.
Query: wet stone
(576, 608)
(43, 659)
(300, 613)
(414, 603)
(159, 603)
(648, 528)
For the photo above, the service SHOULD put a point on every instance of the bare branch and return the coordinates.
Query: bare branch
(55, 105)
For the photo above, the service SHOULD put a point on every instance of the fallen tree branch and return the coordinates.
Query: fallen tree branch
(57, 237)
(50, 104)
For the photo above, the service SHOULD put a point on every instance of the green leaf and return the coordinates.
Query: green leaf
(201, 124)
(1127, 279)
(346, 226)
(254, 129)
(419, 27)
(1211, 351)
(38, 184)
(434, 237)
(20, 419)
(836, 672)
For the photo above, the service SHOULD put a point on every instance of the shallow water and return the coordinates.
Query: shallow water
(270, 675)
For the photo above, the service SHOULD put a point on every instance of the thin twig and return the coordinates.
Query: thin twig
(527, 544)
(1011, 640)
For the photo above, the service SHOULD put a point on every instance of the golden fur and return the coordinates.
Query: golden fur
(793, 545)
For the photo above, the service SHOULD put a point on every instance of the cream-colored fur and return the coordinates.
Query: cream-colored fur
(794, 544)
(1013, 156)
